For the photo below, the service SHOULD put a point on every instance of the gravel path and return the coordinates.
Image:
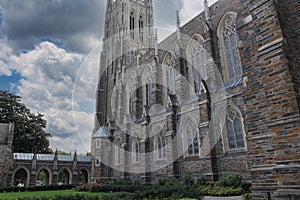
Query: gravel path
(223, 198)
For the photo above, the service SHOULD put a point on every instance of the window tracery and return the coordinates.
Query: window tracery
(171, 73)
(161, 146)
(192, 138)
(234, 129)
(197, 57)
(141, 29)
(131, 25)
(229, 48)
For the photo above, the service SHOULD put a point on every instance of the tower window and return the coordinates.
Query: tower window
(98, 143)
(118, 152)
(141, 29)
(97, 161)
(136, 151)
(148, 93)
(131, 25)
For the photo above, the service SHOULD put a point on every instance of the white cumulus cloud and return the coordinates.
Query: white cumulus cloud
(49, 76)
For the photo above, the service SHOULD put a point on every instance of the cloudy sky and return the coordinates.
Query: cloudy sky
(49, 55)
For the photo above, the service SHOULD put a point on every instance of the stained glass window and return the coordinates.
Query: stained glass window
(231, 58)
(148, 93)
(141, 27)
(131, 25)
(131, 97)
(118, 152)
(192, 140)
(234, 130)
(161, 143)
(97, 161)
(137, 151)
(198, 60)
(171, 73)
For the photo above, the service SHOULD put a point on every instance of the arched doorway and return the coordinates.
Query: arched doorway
(64, 177)
(43, 177)
(83, 176)
(21, 177)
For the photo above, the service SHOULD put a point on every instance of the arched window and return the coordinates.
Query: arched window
(148, 87)
(97, 161)
(197, 60)
(161, 146)
(132, 25)
(148, 93)
(141, 29)
(230, 56)
(171, 73)
(234, 129)
(136, 150)
(192, 138)
(130, 96)
(118, 152)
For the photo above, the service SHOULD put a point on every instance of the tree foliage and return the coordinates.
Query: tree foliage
(29, 134)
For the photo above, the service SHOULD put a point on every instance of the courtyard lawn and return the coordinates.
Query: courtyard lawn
(16, 195)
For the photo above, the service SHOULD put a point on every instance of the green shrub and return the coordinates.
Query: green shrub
(202, 180)
(232, 180)
(247, 196)
(219, 191)
(246, 187)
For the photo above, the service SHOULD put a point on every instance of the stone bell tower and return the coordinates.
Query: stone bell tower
(128, 27)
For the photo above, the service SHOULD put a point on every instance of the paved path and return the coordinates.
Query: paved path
(223, 198)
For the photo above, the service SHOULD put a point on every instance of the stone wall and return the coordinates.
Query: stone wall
(6, 137)
(272, 120)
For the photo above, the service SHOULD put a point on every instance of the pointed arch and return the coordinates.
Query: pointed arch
(190, 140)
(117, 150)
(141, 29)
(228, 43)
(147, 83)
(234, 137)
(22, 174)
(131, 24)
(136, 148)
(65, 174)
(169, 72)
(130, 88)
(160, 142)
(48, 174)
(197, 57)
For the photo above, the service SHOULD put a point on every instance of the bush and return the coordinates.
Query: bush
(37, 188)
(246, 187)
(202, 180)
(247, 196)
(219, 191)
(232, 180)
(188, 180)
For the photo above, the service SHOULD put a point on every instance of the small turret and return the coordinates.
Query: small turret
(207, 12)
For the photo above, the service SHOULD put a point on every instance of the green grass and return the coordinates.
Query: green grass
(16, 195)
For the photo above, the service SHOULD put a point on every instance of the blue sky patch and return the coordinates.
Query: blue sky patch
(87, 106)
(10, 83)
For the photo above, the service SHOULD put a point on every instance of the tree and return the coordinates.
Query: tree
(29, 134)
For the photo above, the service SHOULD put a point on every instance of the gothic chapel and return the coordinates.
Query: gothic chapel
(218, 96)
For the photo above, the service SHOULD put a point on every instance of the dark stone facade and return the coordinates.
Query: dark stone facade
(26, 167)
(264, 99)
(6, 139)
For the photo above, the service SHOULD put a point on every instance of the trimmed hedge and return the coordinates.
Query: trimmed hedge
(37, 188)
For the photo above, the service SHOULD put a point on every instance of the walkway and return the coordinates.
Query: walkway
(223, 198)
